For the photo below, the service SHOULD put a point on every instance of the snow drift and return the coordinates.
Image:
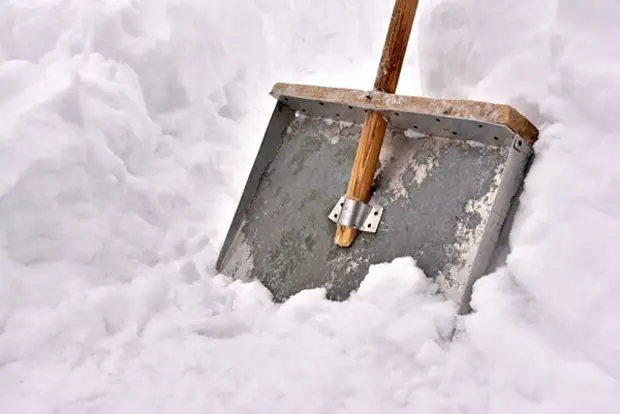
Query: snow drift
(126, 134)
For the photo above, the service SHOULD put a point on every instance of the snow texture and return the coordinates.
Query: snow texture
(127, 130)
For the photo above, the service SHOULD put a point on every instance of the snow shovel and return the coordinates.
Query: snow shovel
(346, 178)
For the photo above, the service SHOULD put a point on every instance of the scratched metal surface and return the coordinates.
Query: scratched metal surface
(438, 195)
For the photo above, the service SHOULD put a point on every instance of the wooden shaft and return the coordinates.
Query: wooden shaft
(366, 160)
(364, 167)
(395, 45)
(373, 131)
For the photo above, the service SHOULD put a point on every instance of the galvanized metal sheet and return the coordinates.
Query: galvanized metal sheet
(444, 202)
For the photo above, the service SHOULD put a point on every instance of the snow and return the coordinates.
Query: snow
(126, 135)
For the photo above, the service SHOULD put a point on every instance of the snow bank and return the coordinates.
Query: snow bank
(126, 132)
(560, 288)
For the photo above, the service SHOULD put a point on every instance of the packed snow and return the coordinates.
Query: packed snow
(127, 131)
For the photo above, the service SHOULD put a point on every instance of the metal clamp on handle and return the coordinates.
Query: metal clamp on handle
(356, 214)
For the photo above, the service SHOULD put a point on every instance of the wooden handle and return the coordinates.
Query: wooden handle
(373, 130)
(395, 45)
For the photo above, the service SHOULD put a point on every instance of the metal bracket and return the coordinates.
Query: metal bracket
(356, 214)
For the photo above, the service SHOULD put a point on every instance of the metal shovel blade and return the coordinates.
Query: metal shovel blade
(449, 171)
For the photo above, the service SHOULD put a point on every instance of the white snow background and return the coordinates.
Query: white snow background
(127, 129)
